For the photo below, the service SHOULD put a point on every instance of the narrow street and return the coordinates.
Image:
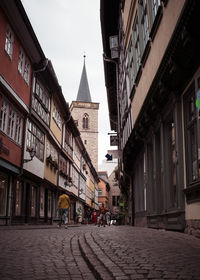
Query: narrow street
(89, 252)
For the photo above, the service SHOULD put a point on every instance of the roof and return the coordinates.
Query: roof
(103, 176)
(109, 17)
(84, 91)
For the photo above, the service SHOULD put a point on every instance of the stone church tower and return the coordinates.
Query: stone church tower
(85, 114)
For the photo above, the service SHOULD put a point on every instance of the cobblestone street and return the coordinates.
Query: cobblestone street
(89, 252)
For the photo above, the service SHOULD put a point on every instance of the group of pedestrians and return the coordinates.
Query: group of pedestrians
(100, 217)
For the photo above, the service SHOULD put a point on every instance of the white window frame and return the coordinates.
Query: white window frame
(27, 71)
(21, 61)
(4, 116)
(11, 123)
(35, 140)
(9, 41)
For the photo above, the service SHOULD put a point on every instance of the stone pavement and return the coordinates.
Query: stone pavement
(89, 252)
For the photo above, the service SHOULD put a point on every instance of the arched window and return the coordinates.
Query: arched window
(85, 121)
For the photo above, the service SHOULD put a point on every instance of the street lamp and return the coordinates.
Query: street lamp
(80, 191)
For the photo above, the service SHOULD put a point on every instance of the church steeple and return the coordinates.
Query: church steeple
(84, 91)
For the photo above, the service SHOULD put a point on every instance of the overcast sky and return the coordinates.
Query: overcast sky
(66, 31)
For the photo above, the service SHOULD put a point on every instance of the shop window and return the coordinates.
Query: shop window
(170, 160)
(49, 203)
(192, 139)
(150, 177)
(18, 199)
(41, 202)
(3, 193)
(139, 184)
(33, 201)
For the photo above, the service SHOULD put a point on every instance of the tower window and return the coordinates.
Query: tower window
(85, 121)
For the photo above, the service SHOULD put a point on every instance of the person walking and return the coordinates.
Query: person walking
(88, 215)
(102, 211)
(108, 217)
(94, 217)
(63, 207)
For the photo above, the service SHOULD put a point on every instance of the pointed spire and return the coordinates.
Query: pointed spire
(84, 91)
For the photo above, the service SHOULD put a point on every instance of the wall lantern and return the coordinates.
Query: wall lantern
(80, 191)
(32, 153)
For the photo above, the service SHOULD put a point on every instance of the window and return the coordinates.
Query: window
(27, 71)
(18, 129)
(75, 177)
(99, 192)
(144, 23)
(11, 122)
(41, 202)
(4, 116)
(35, 140)
(56, 116)
(137, 43)
(170, 159)
(85, 121)
(115, 200)
(63, 166)
(18, 199)
(49, 203)
(130, 64)
(85, 142)
(3, 193)
(33, 201)
(139, 185)
(21, 62)
(193, 155)
(154, 7)
(41, 102)
(24, 66)
(9, 41)
(68, 137)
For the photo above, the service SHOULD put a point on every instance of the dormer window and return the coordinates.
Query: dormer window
(85, 121)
